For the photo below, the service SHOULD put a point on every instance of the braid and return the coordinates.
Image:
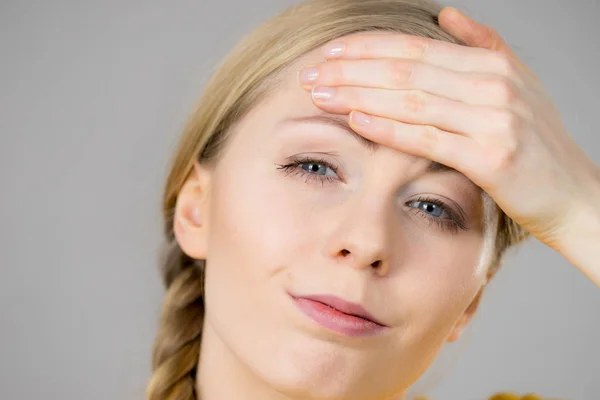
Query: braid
(177, 345)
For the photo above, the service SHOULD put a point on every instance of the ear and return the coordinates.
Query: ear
(190, 222)
(464, 320)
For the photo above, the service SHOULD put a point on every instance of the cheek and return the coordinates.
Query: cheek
(434, 286)
(257, 228)
(442, 283)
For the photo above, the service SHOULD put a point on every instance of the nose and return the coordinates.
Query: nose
(362, 236)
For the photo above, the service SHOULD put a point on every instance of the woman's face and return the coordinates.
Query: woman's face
(299, 206)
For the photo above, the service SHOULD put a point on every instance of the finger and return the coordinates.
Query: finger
(475, 34)
(430, 51)
(482, 123)
(471, 32)
(398, 74)
(455, 151)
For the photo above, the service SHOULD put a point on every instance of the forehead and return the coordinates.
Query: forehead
(288, 100)
(284, 97)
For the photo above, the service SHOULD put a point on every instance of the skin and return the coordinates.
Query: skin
(478, 110)
(358, 234)
(315, 237)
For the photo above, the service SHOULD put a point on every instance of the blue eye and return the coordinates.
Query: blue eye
(317, 168)
(430, 208)
(311, 169)
(436, 211)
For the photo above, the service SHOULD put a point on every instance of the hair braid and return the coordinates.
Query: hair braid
(177, 345)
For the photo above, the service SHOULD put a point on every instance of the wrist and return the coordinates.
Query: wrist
(580, 241)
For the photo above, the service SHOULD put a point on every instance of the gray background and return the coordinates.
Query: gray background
(93, 95)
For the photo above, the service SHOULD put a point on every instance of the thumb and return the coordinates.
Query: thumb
(474, 34)
(471, 32)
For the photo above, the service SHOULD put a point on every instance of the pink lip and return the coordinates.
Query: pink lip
(341, 316)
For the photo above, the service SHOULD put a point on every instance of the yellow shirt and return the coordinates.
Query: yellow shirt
(505, 396)
(511, 396)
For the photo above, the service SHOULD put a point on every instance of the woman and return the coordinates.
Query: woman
(341, 196)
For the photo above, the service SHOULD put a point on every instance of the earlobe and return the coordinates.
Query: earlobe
(191, 210)
(464, 320)
(458, 329)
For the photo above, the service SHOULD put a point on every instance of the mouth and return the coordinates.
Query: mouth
(341, 316)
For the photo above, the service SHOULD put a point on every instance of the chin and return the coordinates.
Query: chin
(306, 367)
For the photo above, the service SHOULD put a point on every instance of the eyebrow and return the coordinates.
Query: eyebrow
(341, 121)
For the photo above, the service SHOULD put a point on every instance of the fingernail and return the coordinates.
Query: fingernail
(360, 118)
(308, 75)
(334, 49)
(323, 93)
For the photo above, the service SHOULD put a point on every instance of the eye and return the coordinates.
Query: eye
(317, 168)
(430, 208)
(438, 212)
(311, 168)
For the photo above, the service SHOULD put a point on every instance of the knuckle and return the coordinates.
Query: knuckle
(401, 73)
(415, 101)
(429, 139)
(485, 39)
(489, 35)
(417, 47)
(504, 64)
(526, 110)
(509, 122)
(503, 158)
(504, 90)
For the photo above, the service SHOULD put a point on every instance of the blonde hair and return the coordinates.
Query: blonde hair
(249, 72)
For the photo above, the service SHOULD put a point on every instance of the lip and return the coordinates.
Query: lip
(339, 315)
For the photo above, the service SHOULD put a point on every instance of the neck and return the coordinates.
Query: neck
(222, 375)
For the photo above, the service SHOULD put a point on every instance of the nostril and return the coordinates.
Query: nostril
(345, 252)
(376, 264)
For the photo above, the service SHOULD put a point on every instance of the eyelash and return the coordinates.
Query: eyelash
(293, 169)
(451, 224)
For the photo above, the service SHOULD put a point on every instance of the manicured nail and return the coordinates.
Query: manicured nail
(308, 75)
(323, 93)
(360, 118)
(334, 49)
